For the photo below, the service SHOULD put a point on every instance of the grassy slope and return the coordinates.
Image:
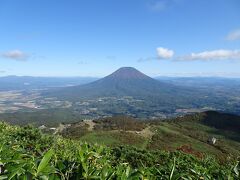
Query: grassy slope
(191, 131)
(115, 138)
(171, 136)
(26, 153)
(113, 131)
(187, 132)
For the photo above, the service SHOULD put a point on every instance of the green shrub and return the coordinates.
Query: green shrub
(26, 153)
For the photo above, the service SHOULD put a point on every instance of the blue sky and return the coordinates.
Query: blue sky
(95, 37)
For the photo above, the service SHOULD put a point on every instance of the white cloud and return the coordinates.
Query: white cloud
(214, 55)
(15, 55)
(220, 54)
(234, 35)
(164, 53)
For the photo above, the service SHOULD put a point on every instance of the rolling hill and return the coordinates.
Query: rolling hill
(190, 133)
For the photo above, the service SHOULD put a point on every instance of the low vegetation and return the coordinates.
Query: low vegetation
(119, 123)
(190, 134)
(26, 153)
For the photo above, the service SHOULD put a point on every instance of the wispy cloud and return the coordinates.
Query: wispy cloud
(211, 55)
(15, 55)
(164, 53)
(2, 71)
(220, 54)
(234, 35)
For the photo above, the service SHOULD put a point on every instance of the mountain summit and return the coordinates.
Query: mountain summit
(127, 73)
(126, 79)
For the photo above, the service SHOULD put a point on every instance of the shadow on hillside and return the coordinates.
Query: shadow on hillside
(227, 124)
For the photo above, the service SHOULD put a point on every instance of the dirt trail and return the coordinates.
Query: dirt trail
(90, 123)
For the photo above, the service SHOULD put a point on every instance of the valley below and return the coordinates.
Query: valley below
(33, 107)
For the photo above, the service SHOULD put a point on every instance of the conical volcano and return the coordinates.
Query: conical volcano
(125, 77)
(126, 81)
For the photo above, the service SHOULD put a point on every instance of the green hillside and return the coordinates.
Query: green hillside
(26, 153)
(190, 134)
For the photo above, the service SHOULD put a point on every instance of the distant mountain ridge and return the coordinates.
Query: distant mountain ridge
(9, 83)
